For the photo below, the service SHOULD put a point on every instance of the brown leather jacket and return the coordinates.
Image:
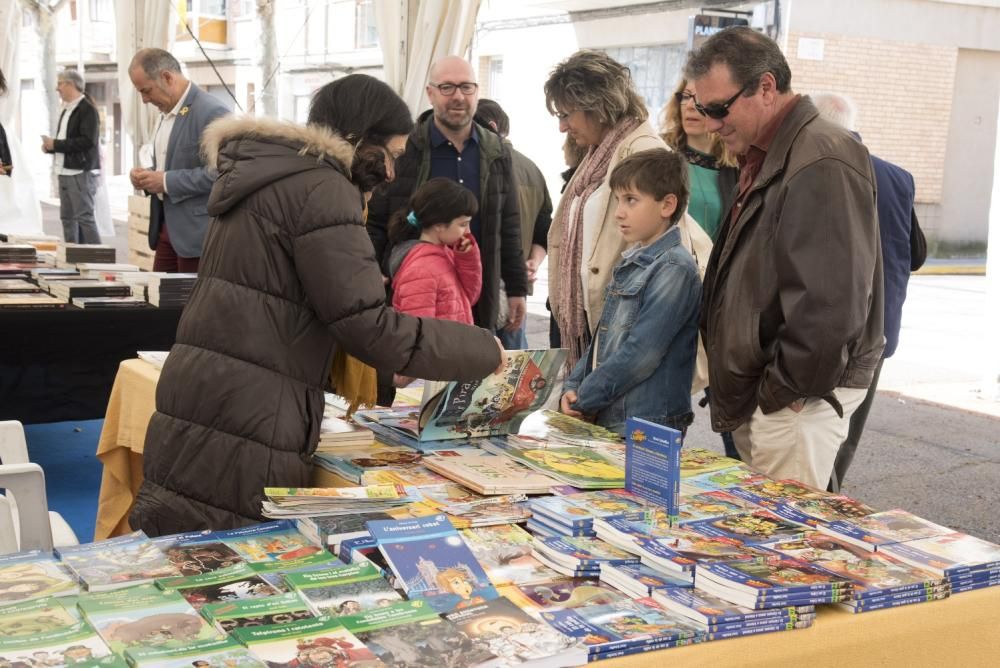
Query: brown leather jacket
(793, 294)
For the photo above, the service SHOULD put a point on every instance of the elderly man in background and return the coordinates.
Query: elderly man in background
(792, 310)
(179, 181)
(897, 221)
(76, 159)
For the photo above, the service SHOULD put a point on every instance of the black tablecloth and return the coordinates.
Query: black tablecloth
(60, 365)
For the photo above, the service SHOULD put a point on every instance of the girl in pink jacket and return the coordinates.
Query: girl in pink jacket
(435, 266)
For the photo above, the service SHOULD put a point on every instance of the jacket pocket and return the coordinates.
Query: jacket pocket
(757, 352)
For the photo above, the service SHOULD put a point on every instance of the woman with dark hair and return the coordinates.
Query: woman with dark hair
(712, 170)
(288, 276)
(5, 160)
(598, 107)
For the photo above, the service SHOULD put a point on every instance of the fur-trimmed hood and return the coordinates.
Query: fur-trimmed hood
(251, 153)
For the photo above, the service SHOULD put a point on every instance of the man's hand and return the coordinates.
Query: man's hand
(151, 182)
(531, 266)
(135, 176)
(48, 144)
(518, 309)
(503, 357)
(565, 404)
(797, 405)
(534, 261)
(400, 381)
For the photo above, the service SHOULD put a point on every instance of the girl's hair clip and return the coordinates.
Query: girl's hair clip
(411, 218)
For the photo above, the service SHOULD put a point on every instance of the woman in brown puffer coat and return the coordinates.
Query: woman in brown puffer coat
(288, 274)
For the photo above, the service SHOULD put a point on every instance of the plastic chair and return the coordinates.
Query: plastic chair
(25, 520)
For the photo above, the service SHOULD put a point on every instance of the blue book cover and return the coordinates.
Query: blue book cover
(270, 541)
(642, 578)
(948, 554)
(786, 576)
(705, 608)
(117, 562)
(754, 630)
(581, 509)
(432, 562)
(653, 463)
(582, 552)
(557, 529)
(885, 528)
(759, 526)
(974, 576)
(972, 586)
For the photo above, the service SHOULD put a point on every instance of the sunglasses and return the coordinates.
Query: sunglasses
(718, 110)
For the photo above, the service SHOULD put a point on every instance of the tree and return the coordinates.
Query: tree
(268, 59)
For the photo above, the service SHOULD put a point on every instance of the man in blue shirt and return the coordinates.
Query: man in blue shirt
(447, 142)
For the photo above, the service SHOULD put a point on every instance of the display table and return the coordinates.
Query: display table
(60, 365)
(959, 631)
(129, 408)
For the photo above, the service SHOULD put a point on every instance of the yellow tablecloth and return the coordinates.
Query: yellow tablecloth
(960, 631)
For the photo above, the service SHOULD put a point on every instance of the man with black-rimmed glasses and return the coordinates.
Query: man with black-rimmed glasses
(792, 309)
(448, 143)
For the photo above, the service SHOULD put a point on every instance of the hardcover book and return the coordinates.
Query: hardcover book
(118, 562)
(322, 641)
(432, 562)
(344, 590)
(33, 574)
(412, 634)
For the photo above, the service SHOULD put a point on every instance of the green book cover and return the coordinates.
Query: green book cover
(310, 642)
(280, 609)
(219, 653)
(35, 574)
(226, 584)
(77, 645)
(38, 616)
(145, 616)
(274, 572)
(344, 590)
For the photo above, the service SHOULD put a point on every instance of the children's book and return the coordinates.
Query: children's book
(344, 590)
(271, 541)
(573, 571)
(228, 584)
(76, 645)
(351, 462)
(281, 609)
(885, 528)
(201, 558)
(695, 461)
(26, 576)
(554, 428)
(584, 468)
(682, 549)
(504, 552)
(118, 562)
(274, 572)
(832, 508)
(432, 562)
(653, 463)
(581, 552)
(516, 637)
(333, 530)
(142, 616)
(640, 581)
(703, 608)
(785, 576)
(40, 615)
(721, 479)
(322, 641)
(708, 505)
(412, 634)
(949, 554)
(560, 593)
(296, 502)
(580, 509)
(220, 653)
(759, 526)
(622, 625)
(466, 508)
(488, 473)
(488, 407)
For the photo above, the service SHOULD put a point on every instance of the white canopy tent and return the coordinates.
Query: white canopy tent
(20, 212)
(415, 33)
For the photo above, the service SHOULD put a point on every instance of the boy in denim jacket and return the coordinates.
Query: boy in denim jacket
(642, 357)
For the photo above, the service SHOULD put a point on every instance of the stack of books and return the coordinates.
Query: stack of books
(967, 562)
(352, 462)
(116, 563)
(75, 253)
(36, 300)
(69, 290)
(505, 553)
(42, 242)
(640, 581)
(343, 590)
(488, 474)
(110, 302)
(879, 530)
(18, 254)
(574, 514)
(17, 286)
(170, 290)
(317, 501)
(337, 432)
(718, 618)
(105, 271)
(333, 530)
(578, 557)
(774, 584)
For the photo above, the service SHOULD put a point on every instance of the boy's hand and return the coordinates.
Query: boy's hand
(565, 405)
(464, 244)
(503, 357)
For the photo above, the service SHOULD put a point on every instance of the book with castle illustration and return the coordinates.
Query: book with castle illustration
(492, 406)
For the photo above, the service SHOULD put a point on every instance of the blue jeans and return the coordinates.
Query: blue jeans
(517, 340)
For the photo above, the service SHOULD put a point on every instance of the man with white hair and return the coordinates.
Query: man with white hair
(897, 221)
(76, 159)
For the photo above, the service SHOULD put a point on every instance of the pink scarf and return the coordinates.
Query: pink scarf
(570, 312)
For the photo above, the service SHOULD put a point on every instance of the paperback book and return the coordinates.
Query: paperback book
(504, 552)
(432, 562)
(653, 464)
(581, 509)
(344, 590)
(271, 541)
(758, 526)
(489, 474)
(581, 552)
(583, 468)
(780, 583)
(33, 574)
(696, 461)
(411, 634)
(322, 641)
(561, 593)
(951, 554)
(333, 530)
(313, 501)
(351, 462)
(118, 562)
(41, 615)
(201, 558)
(878, 530)
(640, 581)
(709, 505)
(280, 609)
(547, 427)
(711, 481)
(712, 611)
(75, 645)
(217, 653)
(228, 584)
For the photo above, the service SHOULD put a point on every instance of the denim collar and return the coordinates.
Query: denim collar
(652, 252)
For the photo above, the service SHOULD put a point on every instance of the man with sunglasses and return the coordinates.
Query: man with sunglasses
(446, 142)
(792, 310)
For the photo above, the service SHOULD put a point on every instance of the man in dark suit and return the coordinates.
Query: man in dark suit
(179, 181)
(76, 159)
(895, 197)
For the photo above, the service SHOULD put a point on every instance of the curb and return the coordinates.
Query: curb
(952, 270)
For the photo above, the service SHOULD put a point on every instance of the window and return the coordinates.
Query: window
(655, 71)
(101, 10)
(365, 33)
(207, 19)
(495, 78)
(213, 8)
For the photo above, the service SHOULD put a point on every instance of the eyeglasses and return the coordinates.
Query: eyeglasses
(683, 96)
(448, 89)
(716, 110)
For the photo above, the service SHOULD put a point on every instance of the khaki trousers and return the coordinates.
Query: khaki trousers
(801, 446)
